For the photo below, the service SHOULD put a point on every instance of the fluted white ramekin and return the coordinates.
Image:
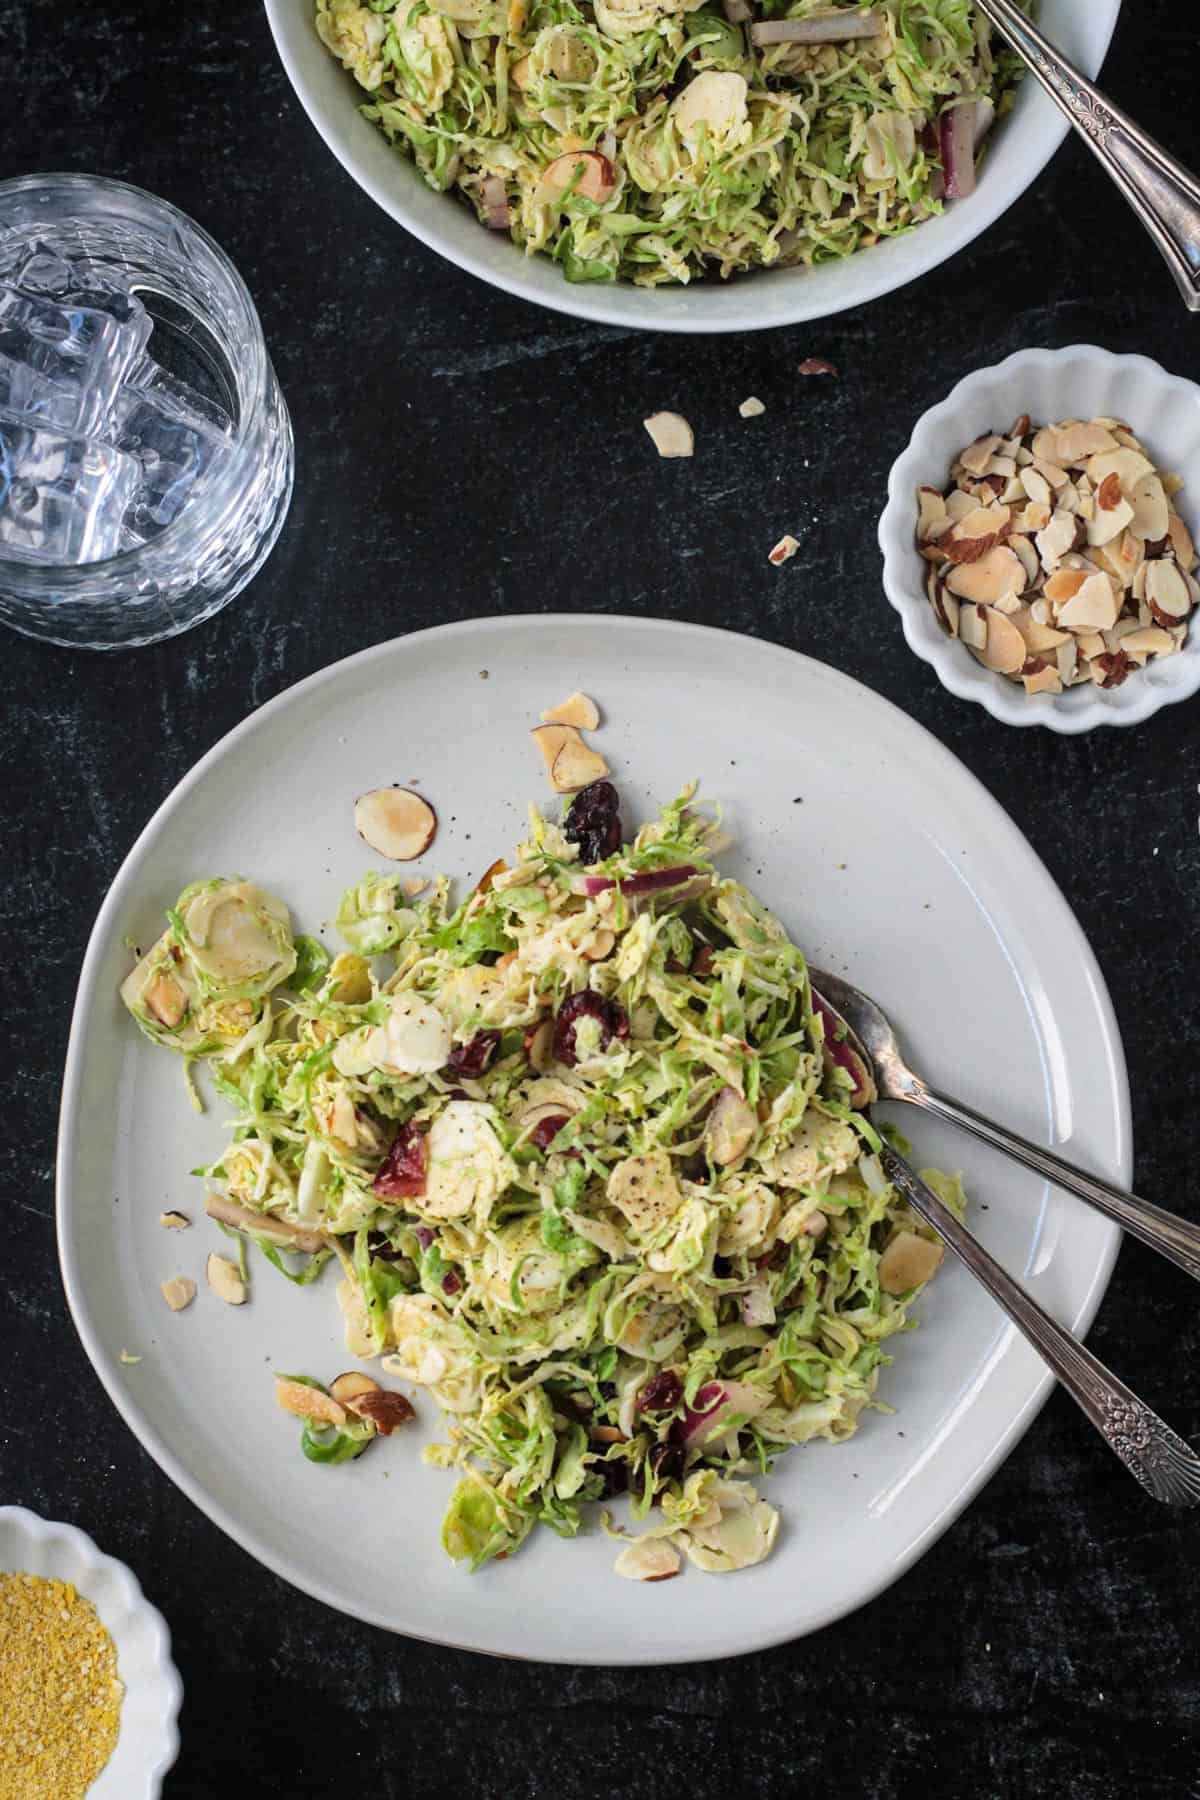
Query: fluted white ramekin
(148, 1742)
(1081, 382)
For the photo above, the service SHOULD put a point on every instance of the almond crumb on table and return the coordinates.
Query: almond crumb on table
(60, 1695)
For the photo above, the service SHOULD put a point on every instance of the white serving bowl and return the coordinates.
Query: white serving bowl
(1081, 382)
(1022, 148)
(148, 1742)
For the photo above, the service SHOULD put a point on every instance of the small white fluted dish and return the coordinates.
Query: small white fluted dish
(148, 1741)
(1081, 382)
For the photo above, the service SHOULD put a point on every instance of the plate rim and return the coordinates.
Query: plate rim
(104, 1362)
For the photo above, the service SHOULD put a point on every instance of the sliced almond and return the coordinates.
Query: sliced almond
(959, 504)
(1035, 517)
(976, 456)
(1039, 637)
(539, 1046)
(1148, 640)
(549, 740)
(577, 709)
(648, 1559)
(994, 577)
(907, 1262)
(984, 522)
(575, 765)
(1067, 659)
(731, 1125)
(1004, 647)
(933, 517)
(351, 1386)
(1056, 538)
(1181, 542)
(1054, 477)
(1167, 592)
(166, 999)
(784, 550)
(602, 944)
(500, 867)
(395, 822)
(1130, 467)
(179, 1292)
(584, 172)
(752, 407)
(1064, 584)
(1026, 555)
(1076, 442)
(384, 1409)
(276, 1231)
(1151, 515)
(1045, 680)
(1045, 444)
(308, 1402)
(1094, 606)
(945, 605)
(972, 626)
(1037, 487)
(174, 1221)
(1106, 524)
(671, 434)
(225, 1280)
(414, 885)
(1091, 644)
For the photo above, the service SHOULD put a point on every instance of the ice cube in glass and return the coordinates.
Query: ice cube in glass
(62, 498)
(78, 347)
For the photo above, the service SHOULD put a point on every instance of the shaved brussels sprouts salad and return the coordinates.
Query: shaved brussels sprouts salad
(591, 1170)
(662, 140)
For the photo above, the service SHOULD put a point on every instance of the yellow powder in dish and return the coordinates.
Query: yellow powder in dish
(60, 1698)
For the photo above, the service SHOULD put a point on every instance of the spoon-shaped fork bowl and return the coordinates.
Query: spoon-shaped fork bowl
(860, 1040)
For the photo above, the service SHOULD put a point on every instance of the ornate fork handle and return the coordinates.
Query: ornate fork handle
(1165, 1465)
(1164, 195)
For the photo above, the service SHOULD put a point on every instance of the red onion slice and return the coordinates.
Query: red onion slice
(833, 28)
(653, 882)
(956, 129)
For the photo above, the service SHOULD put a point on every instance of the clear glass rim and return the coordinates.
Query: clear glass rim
(185, 531)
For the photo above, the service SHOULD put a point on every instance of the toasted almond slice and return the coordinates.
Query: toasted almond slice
(751, 407)
(994, 577)
(933, 519)
(1037, 487)
(500, 867)
(1054, 477)
(1004, 647)
(1039, 637)
(1034, 518)
(179, 1292)
(1067, 658)
(671, 434)
(1148, 640)
(1167, 592)
(984, 522)
(1056, 539)
(166, 999)
(395, 822)
(174, 1221)
(384, 1409)
(1094, 606)
(975, 458)
(585, 172)
(1130, 466)
(351, 1386)
(577, 709)
(1026, 555)
(603, 944)
(414, 885)
(549, 740)
(1172, 484)
(1181, 542)
(1107, 524)
(308, 1402)
(1091, 644)
(224, 1278)
(972, 625)
(1045, 444)
(1077, 442)
(648, 1559)
(276, 1231)
(1151, 515)
(959, 504)
(574, 765)
(539, 1046)
(908, 1261)
(784, 550)
(1064, 584)
(946, 607)
(1045, 680)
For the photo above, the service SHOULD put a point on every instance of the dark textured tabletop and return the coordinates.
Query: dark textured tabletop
(460, 453)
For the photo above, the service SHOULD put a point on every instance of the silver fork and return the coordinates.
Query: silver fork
(1166, 1466)
(1164, 195)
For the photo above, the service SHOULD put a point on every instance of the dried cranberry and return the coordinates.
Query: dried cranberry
(402, 1172)
(587, 1005)
(662, 1392)
(546, 1130)
(666, 1462)
(473, 1059)
(423, 1236)
(451, 1283)
(615, 1476)
(382, 1248)
(702, 968)
(594, 822)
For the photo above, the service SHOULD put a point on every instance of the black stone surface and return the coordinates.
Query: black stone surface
(461, 453)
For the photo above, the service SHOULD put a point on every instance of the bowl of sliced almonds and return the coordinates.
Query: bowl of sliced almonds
(1038, 539)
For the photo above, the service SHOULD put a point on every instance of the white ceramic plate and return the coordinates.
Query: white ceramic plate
(888, 861)
(1081, 382)
(1022, 148)
(148, 1740)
